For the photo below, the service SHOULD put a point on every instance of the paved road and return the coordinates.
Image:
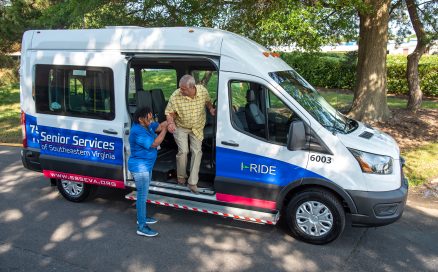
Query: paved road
(40, 231)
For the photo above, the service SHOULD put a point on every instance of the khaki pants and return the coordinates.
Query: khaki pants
(182, 136)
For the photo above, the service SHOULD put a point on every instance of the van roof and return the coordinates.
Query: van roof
(239, 50)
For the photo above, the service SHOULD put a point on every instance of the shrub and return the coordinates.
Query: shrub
(338, 70)
(8, 71)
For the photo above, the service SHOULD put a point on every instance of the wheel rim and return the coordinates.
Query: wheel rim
(314, 218)
(73, 189)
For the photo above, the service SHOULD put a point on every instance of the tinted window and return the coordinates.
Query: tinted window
(256, 111)
(75, 91)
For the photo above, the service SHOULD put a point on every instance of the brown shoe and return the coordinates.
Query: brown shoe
(181, 181)
(193, 188)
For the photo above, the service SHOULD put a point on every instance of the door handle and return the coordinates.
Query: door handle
(110, 131)
(230, 143)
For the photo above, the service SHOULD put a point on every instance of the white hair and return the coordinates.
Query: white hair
(187, 80)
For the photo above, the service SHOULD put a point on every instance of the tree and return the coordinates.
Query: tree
(369, 103)
(15, 18)
(311, 23)
(424, 39)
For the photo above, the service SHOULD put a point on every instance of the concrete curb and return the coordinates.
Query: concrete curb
(11, 144)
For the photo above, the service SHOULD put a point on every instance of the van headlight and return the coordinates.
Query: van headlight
(372, 163)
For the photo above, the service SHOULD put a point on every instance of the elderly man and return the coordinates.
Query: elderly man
(185, 114)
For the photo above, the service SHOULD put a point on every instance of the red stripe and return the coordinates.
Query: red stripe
(246, 201)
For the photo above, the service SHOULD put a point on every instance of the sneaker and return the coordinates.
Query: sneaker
(146, 231)
(150, 220)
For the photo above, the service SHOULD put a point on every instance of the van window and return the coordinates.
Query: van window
(163, 79)
(131, 87)
(75, 91)
(208, 79)
(258, 112)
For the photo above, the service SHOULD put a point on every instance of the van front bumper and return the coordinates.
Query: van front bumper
(379, 208)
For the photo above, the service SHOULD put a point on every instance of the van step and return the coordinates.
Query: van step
(224, 211)
(174, 186)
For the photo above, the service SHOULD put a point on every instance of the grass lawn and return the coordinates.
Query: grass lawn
(342, 100)
(422, 163)
(10, 130)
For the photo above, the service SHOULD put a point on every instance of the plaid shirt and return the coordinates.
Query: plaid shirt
(190, 112)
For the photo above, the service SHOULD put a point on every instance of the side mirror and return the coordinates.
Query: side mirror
(296, 139)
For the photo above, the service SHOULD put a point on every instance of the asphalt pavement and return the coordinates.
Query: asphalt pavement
(41, 231)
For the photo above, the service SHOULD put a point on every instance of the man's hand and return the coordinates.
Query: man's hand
(212, 111)
(171, 122)
(171, 127)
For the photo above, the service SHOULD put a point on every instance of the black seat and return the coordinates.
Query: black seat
(158, 104)
(254, 116)
(208, 128)
(144, 99)
(239, 119)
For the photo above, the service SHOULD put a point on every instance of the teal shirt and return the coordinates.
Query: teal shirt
(143, 155)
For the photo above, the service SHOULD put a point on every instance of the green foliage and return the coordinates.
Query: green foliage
(10, 130)
(329, 70)
(8, 70)
(338, 70)
(308, 26)
(427, 69)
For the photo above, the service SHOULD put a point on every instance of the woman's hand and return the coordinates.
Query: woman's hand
(163, 125)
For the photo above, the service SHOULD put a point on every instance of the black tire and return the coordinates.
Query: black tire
(311, 198)
(73, 195)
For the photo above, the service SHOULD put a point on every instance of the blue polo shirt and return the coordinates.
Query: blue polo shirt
(143, 155)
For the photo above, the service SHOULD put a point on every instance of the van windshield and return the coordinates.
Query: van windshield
(313, 102)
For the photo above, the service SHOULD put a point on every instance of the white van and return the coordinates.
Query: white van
(275, 148)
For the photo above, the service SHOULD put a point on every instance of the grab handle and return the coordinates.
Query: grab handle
(110, 131)
(230, 143)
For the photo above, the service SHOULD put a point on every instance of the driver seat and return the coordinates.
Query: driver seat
(254, 116)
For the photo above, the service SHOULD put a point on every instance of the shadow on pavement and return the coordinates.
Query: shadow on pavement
(42, 231)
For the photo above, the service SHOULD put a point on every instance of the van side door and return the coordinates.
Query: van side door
(80, 130)
(253, 162)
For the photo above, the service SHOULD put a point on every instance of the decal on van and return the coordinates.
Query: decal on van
(80, 145)
(259, 168)
(85, 179)
(246, 166)
(32, 133)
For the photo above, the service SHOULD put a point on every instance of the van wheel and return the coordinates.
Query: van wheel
(315, 216)
(74, 191)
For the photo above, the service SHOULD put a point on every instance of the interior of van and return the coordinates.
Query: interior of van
(151, 82)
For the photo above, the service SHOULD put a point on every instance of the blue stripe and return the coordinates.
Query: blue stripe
(246, 166)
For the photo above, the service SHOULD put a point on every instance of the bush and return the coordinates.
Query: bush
(338, 70)
(8, 71)
(8, 77)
